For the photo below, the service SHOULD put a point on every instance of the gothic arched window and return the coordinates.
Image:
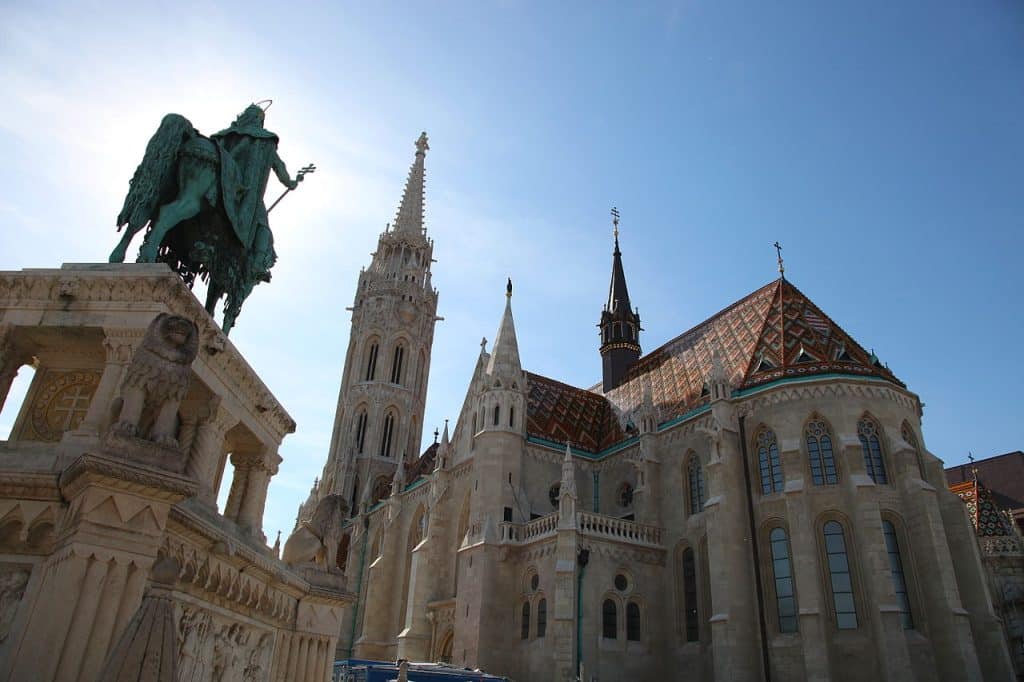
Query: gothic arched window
(899, 581)
(609, 620)
(874, 462)
(782, 572)
(371, 362)
(497, 414)
(361, 431)
(632, 622)
(695, 478)
(840, 576)
(691, 617)
(819, 453)
(524, 630)
(542, 617)
(768, 462)
(386, 433)
(396, 364)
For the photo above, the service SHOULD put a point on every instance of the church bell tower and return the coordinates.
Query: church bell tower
(379, 419)
(620, 324)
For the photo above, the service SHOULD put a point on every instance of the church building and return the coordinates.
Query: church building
(752, 500)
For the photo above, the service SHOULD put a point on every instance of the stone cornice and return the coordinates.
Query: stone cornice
(816, 389)
(29, 485)
(124, 475)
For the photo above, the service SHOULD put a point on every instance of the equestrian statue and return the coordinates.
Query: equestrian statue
(201, 200)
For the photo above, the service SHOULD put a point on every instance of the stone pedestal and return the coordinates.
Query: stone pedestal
(95, 577)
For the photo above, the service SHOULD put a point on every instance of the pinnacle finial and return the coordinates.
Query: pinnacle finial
(421, 143)
(615, 223)
(778, 254)
(508, 288)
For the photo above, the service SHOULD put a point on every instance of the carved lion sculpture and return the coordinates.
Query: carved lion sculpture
(316, 541)
(157, 380)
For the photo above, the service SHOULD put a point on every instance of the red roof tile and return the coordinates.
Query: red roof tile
(773, 333)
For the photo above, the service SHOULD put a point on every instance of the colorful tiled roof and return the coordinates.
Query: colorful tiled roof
(749, 335)
(988, 519)
(561, 413)
(774, 333)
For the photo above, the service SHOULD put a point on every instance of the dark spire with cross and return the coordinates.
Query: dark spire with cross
(778, 255)
(620, 324)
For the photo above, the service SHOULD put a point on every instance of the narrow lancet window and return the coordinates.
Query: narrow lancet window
(609, 620)
(632, 622)
(696, 480)
(874, 462)
(782, 571)
(385, 438)
(524, 631)
(768, 461)
(360, 432)
(690, 609)
(819, 452)
(542, 617)
(396, 365)
(371, 363)
(840, 576)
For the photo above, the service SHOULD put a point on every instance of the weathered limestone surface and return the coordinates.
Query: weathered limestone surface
(106, 476)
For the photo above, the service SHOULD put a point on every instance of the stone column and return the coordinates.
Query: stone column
(254, 499)
(207, 450)
(119, 348)
(239, 482)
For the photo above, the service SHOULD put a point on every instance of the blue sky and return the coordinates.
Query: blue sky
(881, 143)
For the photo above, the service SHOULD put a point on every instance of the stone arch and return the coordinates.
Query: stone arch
(444, 648)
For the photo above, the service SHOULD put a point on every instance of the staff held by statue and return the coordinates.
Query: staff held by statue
(311, 168)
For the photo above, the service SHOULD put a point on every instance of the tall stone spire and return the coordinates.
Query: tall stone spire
(504, 358)
(410, 211)
(378, 423)
(620, 325)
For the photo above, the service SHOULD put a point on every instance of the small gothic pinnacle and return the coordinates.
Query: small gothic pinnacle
(508, 288)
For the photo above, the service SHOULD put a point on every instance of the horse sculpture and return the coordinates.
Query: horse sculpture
(201, 200)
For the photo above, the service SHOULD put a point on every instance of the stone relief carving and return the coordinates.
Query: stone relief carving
(13, 581)
(157, 380)
(60, 404)
(215, 649)
(316, 541)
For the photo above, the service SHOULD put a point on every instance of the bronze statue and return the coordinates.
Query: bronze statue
(202, 200)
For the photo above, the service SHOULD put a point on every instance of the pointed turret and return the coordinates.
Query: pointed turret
(410, 211)
(504, 360)
(620, 324)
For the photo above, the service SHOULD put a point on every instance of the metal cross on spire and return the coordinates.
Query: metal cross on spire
(778, 254)
(615, 222)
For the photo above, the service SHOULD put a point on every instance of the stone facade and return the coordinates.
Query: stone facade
(753, 497)
(113, 556)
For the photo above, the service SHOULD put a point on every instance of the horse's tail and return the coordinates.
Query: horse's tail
(156, 174)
